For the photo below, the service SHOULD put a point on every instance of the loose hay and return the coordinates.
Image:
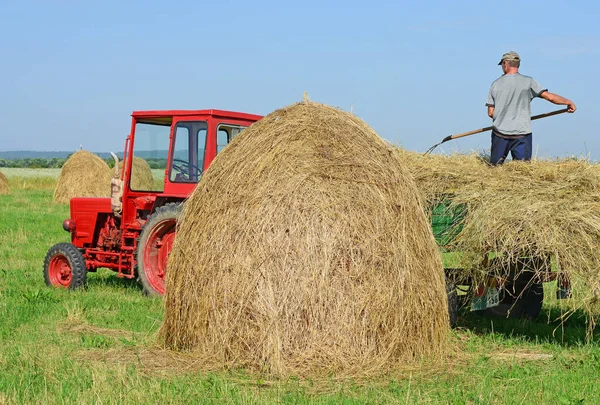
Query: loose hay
(141, 175)
(547, 209)
(305, 249)
(83, 175)
(3, 184)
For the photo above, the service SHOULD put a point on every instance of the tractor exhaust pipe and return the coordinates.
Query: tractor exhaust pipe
(116, 189)
(116, 158)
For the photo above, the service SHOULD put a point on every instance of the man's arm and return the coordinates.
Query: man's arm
(556, 99)
(491, 111)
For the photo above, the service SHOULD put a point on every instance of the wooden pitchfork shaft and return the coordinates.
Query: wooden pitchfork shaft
(476, 131)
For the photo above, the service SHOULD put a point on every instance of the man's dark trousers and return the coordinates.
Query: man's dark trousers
(520, 148)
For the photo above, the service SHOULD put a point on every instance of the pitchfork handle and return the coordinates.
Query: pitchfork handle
(535, 117)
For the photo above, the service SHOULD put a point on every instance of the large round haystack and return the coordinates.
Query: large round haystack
(83, 175)
(3, 184)
(141, 175)
(305, 248)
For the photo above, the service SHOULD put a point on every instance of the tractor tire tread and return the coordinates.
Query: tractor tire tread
(167, 209)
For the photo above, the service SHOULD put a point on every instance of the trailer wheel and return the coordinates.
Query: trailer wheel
(525, 302)
(154, 247)
(532, 302)
(64, 267)
(452, 295)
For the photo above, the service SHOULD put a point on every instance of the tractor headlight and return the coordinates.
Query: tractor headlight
(69, 225)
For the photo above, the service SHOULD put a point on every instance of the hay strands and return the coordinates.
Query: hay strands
(477, 131)
(305, 249)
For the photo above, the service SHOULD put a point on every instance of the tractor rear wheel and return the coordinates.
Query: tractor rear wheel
(64, 266)
(154, 247)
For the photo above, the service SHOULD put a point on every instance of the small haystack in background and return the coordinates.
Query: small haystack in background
(141, 175)
(548, 209)
(3, 184)
(83, 175)
(305, 248)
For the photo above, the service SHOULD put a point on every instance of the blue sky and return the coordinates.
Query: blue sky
(73, 71)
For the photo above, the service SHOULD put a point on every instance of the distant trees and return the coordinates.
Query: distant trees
(56, 163)
(156, 163)
(34, 163)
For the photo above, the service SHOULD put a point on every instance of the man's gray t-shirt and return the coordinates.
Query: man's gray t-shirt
(511, 97)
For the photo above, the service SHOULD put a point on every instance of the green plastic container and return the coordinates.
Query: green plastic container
(446, 223)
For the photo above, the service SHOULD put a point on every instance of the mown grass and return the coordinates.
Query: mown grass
(99, 345)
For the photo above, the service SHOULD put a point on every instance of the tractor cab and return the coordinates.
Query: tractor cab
(184, 143)
(179, 146)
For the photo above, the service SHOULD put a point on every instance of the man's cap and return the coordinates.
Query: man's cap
(512, 55)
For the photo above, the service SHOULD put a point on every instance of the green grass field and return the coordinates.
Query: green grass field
(99, 345)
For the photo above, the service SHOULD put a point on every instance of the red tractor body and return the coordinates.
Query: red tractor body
(133, 231)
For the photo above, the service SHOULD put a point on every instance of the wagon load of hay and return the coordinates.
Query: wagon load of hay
(141, 175)
(305, 248)
(548, 209)
(3, 184)
(83, 175)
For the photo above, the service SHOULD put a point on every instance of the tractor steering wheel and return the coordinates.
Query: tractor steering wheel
(183, 167)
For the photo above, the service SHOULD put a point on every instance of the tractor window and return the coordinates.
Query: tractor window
(150, 152)
(226, 133)
(188, 152)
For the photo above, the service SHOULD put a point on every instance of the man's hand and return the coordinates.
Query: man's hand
(571, 107)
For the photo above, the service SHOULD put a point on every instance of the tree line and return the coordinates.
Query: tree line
(57, 163)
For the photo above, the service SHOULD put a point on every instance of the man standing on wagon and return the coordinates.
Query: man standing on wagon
(509, 105)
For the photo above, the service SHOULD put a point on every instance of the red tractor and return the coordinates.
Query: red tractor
(132, 232)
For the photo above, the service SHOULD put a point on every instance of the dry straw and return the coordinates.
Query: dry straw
(83, 175)
(141, 175)
(305, 249)
(3, 184)
(547, 209)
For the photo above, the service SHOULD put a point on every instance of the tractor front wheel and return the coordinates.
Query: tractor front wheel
(154, 247)
(64, 267)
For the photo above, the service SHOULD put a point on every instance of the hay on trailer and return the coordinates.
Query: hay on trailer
(3, 184)
(305, 248)
(545, 209)
(141, 175)
(83, 175)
